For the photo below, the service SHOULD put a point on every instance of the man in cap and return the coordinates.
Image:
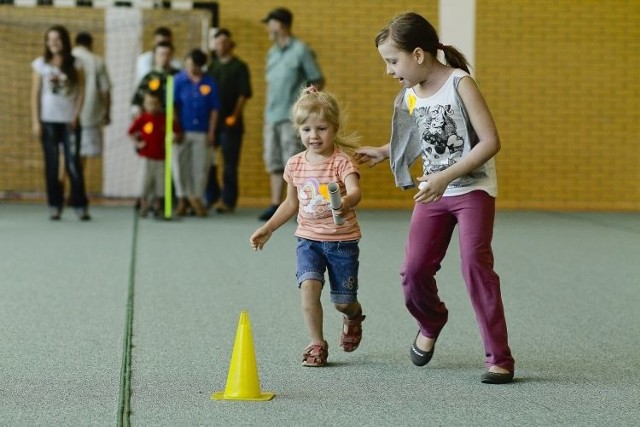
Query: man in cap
(291, 66)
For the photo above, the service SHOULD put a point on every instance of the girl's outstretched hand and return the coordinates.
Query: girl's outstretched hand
(370, 155)
(259, 238)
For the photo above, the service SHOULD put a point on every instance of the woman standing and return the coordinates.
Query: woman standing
(57, 94)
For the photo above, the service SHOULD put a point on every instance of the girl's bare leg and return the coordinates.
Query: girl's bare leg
(310, 291)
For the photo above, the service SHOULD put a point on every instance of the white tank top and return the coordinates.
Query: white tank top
(446, 136)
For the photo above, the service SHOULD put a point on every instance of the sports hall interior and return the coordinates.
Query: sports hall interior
(128, 321)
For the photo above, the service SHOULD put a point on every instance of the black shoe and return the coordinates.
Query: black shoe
(268, 213)
(496, 378)
(55, 215)
(420, 357)
(83, 214)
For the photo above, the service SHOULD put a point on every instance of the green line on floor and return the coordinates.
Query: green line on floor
(124, 409)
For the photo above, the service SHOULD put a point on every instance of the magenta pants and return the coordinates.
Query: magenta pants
(430, 232)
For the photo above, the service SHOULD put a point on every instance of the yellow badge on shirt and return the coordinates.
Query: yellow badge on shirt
(411, 103)
(154, 84)
(205, 90)
(323, 190)
(148, 128)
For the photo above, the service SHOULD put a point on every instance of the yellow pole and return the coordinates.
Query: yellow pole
(168, 145)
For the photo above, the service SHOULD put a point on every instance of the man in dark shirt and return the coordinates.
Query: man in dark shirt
(232, 78)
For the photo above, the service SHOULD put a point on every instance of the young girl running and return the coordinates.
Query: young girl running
(441, 116)
(322, 244)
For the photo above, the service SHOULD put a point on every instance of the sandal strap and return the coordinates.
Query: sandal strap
(350, 339)
(316, 353)
(356, 321)
(315, 349)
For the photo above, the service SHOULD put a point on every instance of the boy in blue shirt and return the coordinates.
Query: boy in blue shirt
(197, 104)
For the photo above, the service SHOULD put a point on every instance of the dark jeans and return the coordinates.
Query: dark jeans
(56, 136)
(230, 141)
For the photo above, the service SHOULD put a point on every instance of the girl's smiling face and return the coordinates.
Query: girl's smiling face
(401, 65)
(317, 135)
(54, 42)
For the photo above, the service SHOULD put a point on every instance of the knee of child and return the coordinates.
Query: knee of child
(417, 272)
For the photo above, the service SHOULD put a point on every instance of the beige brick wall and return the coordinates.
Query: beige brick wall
(562, 82)
(557, 77)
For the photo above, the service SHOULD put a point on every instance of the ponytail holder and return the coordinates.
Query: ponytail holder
(440, 46)
(310, 89)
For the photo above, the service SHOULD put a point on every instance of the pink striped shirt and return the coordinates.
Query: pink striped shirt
(315, 219)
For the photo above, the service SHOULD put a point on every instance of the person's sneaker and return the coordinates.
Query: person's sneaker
(268, 213)
(157, 209)
(197, 207)
(181, 209)
(222, 207)
(55, 214)
(83, 214)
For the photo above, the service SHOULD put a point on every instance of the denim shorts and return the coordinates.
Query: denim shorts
(340, 259)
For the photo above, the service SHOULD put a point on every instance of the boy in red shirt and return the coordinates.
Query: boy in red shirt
(148, 134)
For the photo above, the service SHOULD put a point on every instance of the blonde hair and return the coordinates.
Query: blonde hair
(312, 102)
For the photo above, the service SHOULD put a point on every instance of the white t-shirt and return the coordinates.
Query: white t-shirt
(57, 98)
(144, 65)
(97, 82)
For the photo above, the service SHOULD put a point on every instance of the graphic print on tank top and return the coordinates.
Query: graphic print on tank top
(442, 144)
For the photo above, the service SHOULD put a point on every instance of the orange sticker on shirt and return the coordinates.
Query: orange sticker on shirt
(205, 90)
(148, 128)
(154, 84)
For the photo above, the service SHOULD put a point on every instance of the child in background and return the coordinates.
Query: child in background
(322, 245)
(148, 134)
(156, 78)
(441, 115)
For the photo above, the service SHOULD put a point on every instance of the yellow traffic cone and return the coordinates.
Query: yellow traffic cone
(242, 381)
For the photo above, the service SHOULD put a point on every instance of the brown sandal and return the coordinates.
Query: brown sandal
(315, 355)
(350, 340)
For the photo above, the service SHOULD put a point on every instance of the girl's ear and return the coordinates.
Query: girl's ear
(419, 55)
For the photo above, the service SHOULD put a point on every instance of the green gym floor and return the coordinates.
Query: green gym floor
(123, 321)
